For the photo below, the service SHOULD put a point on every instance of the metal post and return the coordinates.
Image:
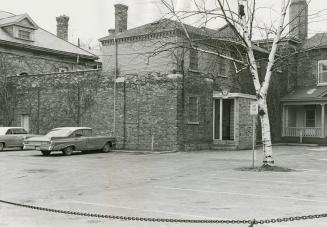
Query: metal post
(114, 123)
(253, 141)
(322, 120)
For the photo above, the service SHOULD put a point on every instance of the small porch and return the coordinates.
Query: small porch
(304, 115)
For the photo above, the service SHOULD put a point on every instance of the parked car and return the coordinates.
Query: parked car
(70, 139)
(13, 137)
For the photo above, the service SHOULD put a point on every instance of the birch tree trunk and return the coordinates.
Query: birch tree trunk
(266, 134)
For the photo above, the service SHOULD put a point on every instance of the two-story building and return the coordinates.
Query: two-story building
(210, 107)
(27, 49)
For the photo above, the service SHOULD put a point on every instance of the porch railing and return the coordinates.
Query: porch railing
(302, 132)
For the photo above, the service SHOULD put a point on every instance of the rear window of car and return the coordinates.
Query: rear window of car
(18, 131)
(58, 133)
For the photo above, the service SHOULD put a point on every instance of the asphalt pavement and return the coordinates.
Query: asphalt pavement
(182, 185)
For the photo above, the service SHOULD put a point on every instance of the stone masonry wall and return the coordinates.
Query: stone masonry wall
(145, 115)
(195, 136)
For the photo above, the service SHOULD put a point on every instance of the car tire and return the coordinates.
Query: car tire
(68, 151)
(106, 148)
(46, 153)
(2, 145)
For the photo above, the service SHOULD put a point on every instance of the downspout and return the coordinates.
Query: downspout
(114, 126)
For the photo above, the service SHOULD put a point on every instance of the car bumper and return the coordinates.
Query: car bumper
(38, 147)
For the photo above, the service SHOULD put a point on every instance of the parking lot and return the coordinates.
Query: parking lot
(193, 185)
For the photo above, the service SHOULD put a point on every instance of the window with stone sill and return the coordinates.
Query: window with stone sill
(322, 72)
(194, 59)
(193, 110)
(63, 69)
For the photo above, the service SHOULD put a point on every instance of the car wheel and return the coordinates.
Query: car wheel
(46, 153)
(2, 145)
(106, 148)
(68, 151)
(22, 148)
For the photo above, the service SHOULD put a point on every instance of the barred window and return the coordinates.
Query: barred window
(193, 110)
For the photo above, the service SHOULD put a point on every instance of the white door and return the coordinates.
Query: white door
(25, 122)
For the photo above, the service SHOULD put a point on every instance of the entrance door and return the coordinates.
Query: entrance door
(25, 122)
(224, 119)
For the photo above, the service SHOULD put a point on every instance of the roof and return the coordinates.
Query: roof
(165, 25)
(162, 26)
(43, 40)
(307, 94)
(319, 40)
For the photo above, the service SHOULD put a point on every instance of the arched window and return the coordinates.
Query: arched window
(23, 74)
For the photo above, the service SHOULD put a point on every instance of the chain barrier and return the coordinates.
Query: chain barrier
(171, 220)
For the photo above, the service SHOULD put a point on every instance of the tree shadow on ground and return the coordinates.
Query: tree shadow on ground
(265, 168)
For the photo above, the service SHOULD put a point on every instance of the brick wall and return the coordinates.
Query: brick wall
(307, 67)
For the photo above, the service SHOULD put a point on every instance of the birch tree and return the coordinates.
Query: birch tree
(240, 17)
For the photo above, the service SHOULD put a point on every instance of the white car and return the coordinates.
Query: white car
(13, 137)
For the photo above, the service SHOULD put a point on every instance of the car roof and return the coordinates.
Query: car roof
(72, 128)
(4, 128)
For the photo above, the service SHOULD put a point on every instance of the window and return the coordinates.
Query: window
(23, 74)
(222, 67)
(24, 35)
(193, 110)
(18, 131)
(310, 118)
(63, 69)
(194, 59)
(322, 72)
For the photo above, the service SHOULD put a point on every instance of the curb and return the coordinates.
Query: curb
(144, 152)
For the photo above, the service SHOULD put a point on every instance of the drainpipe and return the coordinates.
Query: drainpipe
(114, 126)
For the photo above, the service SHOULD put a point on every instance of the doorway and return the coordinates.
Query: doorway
(223, 119)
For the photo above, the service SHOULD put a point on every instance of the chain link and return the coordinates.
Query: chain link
(147, 219)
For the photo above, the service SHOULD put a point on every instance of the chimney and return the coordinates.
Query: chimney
(120, 18)
(298, 17)
(62, 27)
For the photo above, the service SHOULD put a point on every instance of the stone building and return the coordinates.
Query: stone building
(26, 49)
(178, 97)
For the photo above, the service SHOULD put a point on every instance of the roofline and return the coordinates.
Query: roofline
(94, 57)
(71, 43)
(302, 99)
(21, 17)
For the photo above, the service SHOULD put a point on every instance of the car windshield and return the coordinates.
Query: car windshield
(59, 133)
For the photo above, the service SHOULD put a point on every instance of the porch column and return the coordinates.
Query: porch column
(322, 120)
(221, 120)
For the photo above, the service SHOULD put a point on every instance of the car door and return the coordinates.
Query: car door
(79, 140)
(92, 143)
(9, 138)
(18, 136)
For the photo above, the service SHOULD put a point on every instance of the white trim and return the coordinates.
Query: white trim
(218, 94)
(323, 120)
(318, 73)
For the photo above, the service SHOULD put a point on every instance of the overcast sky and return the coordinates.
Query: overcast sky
(91, 19)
